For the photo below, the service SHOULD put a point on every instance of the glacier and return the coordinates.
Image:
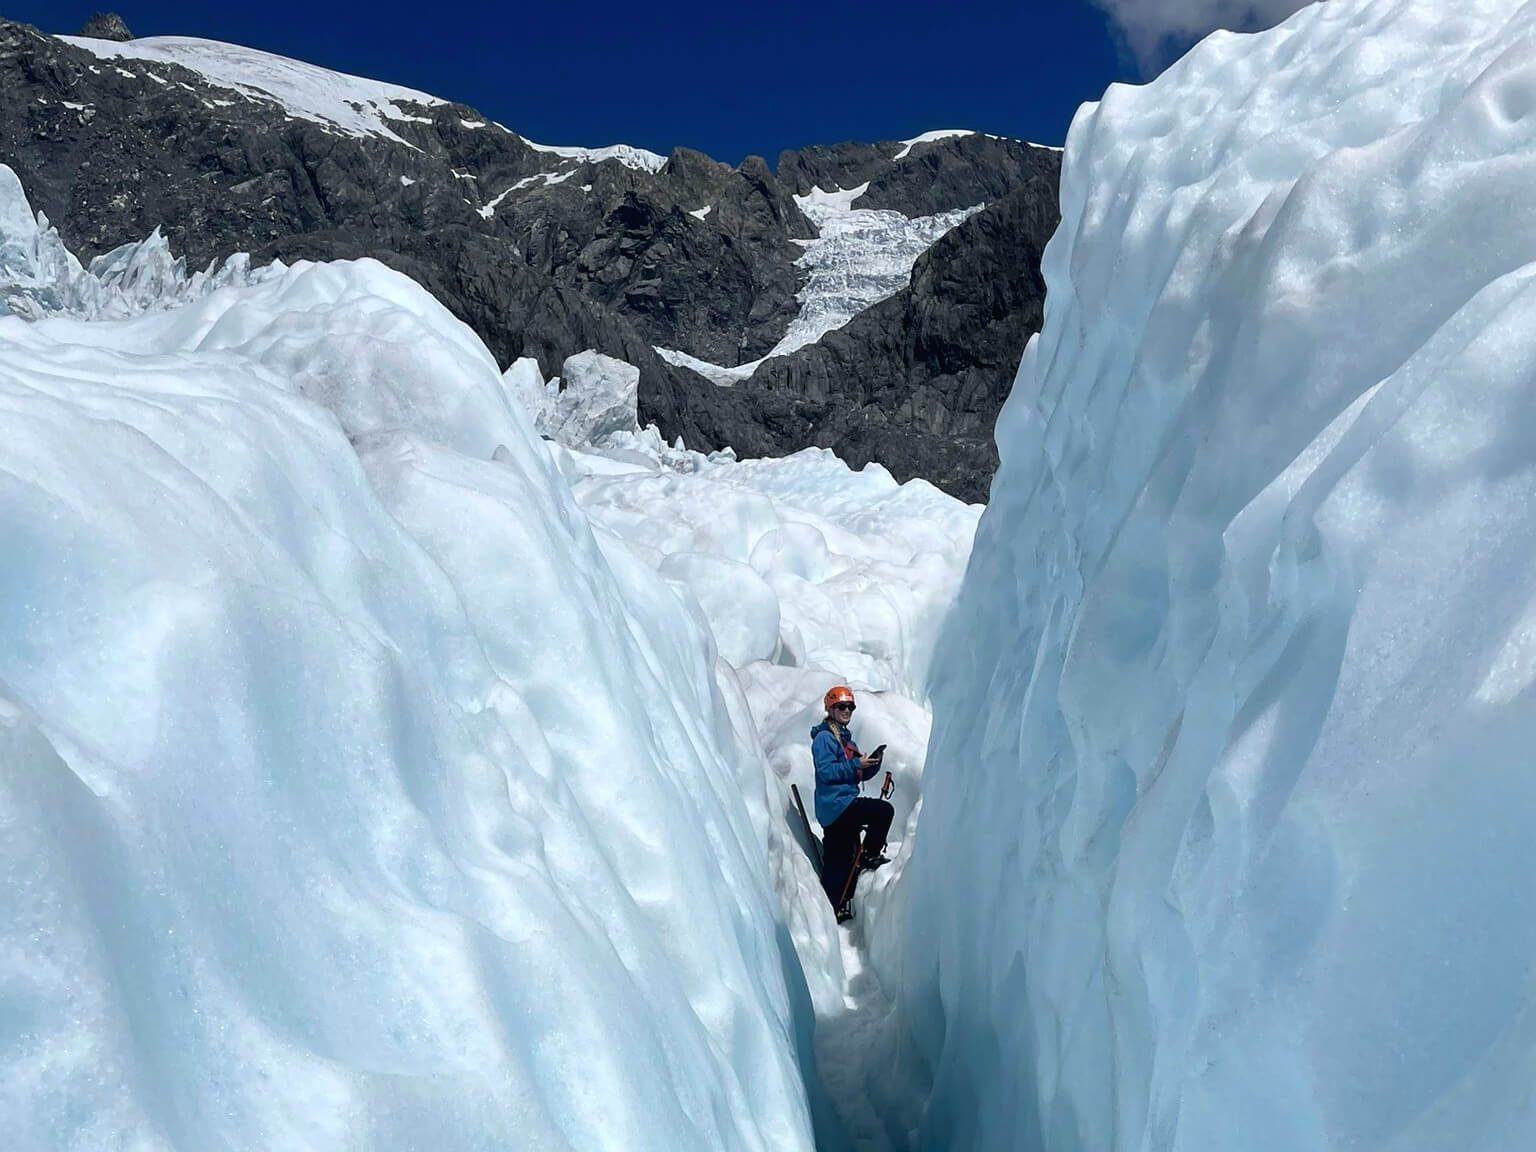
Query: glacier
(351, 794)
(374, 773)
(1226, 829)
(860, 257)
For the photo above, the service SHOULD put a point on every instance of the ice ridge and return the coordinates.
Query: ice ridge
(1233, 716)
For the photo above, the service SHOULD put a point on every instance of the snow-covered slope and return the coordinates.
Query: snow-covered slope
(626, 154)
(350, 794)
(1233, 720)
(351, 104)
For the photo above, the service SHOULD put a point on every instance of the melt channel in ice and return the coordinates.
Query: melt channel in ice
(1227, 829)
(351, 795)
(809, 574)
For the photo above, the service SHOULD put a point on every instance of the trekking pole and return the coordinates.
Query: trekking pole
(888, 788)
(852, 872)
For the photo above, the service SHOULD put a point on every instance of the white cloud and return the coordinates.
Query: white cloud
(1157, 31)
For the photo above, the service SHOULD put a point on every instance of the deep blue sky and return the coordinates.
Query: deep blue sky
(724, 77)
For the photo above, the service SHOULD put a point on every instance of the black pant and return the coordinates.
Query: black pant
(840, 842)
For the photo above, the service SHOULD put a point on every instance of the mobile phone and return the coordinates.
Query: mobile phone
(877, 753)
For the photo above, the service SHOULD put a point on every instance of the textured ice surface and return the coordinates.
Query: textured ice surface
(1227, 830)
(594, 397)
(350, 794)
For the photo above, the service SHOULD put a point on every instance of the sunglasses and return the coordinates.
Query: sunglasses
(838, 707)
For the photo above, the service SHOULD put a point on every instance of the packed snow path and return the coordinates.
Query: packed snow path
(849, 1047)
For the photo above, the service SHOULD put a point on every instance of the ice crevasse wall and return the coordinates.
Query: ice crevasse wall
(351, 795)
(1226, 839)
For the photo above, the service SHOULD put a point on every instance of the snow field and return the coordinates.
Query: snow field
(1223, 834)
(351, 795)
(353, 105)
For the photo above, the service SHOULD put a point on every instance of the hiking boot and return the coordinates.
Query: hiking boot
(870, 863)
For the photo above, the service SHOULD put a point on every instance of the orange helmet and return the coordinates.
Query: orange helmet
(837, 694)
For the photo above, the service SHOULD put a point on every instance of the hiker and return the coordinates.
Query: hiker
(843, 813)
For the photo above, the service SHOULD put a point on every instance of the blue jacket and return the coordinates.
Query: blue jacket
(837, 773)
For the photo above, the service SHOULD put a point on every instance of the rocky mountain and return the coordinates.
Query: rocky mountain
(894, 283)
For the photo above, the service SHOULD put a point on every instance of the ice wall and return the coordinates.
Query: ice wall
(350, 796)
(1226, 840)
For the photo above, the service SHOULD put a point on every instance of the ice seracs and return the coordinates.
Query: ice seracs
(40, 277)
(860, 257)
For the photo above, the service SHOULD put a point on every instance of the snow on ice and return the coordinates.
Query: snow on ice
(626, 154)
(1226, 838)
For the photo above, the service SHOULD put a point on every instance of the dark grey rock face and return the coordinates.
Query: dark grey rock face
(546, 255)
(916, 381)
(106, 26)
